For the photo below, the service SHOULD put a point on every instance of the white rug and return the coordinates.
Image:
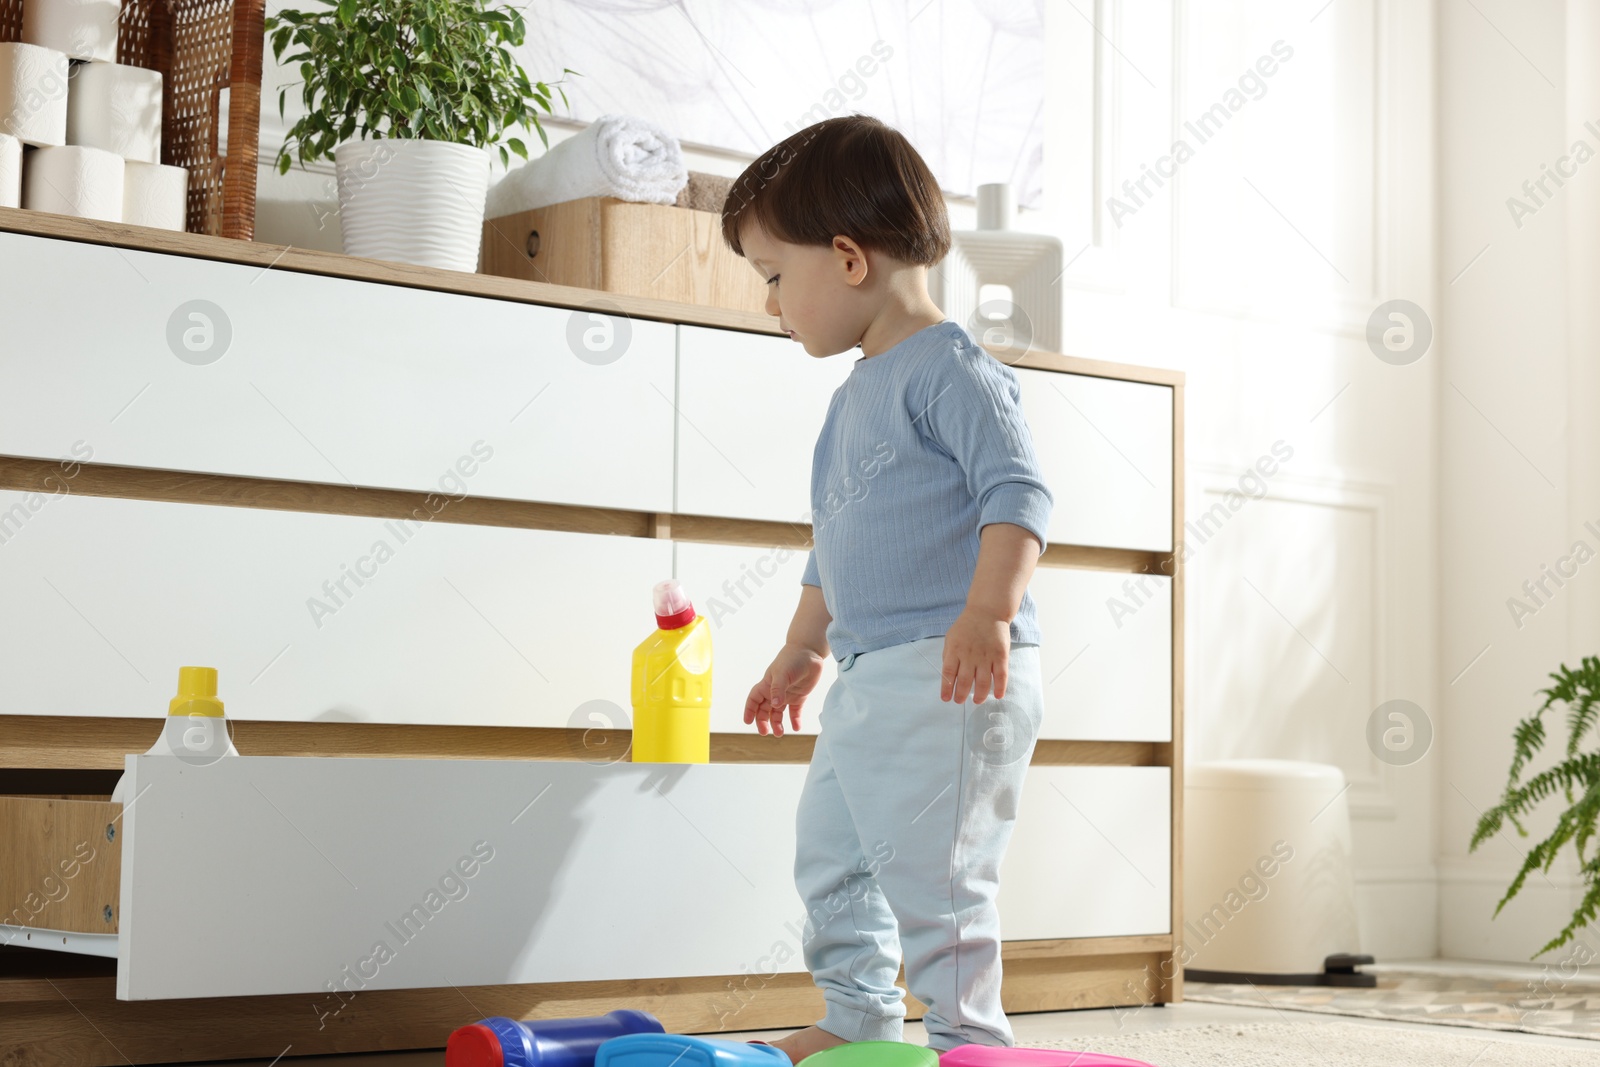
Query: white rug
(1330, 1044)
(1495, 1000)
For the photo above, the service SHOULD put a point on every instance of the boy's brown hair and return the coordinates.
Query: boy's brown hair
(851, 175)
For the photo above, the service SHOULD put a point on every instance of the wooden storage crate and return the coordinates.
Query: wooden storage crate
(201, 47)
(624, 247)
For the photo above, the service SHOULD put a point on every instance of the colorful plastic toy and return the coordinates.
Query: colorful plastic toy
(672, 682)
(873, 1054)
(991, 1056)
(501, 1042)
(684, 1050)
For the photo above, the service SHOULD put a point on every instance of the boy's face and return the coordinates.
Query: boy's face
(814, 291)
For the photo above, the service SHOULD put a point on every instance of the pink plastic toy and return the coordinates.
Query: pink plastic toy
(990, 1056)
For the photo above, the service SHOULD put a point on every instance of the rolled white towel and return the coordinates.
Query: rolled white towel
(623, 156)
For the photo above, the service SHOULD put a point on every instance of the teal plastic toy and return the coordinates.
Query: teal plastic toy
(684, 1050)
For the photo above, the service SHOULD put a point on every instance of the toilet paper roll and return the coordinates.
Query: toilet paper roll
(74, 180)
(154, 194)
(117, 108)
(33, 93)
(83, 29)
(10, 171)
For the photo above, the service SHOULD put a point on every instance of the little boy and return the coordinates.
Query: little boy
(928, 515)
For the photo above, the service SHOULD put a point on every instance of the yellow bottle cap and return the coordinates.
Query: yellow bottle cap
(197, 693)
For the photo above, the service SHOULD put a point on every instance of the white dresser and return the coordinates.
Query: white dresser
(413, 517)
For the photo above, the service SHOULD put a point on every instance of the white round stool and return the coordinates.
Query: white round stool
(1269, 896)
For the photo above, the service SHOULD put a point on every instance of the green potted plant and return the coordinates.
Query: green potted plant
(405, 96)
(1576, 775)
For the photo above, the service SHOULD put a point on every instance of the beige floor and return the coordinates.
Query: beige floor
(1063, 1025)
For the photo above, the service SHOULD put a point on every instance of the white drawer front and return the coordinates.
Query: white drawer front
(551, 857)
(748, 594)
(1091, 855)
(750, 408)
(568, 873)
(327, 379)
(454, 624)
(1105, 655)
(1105, 448)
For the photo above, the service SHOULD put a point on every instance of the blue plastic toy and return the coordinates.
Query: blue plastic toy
(501, 1042)
(682, 1050)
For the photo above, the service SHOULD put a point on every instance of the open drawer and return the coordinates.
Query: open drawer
(322, 876)
(263, 875)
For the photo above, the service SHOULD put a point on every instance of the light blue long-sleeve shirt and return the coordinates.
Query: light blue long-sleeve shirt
(923, 445)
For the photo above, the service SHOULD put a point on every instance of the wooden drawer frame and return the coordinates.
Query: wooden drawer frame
(62, 768)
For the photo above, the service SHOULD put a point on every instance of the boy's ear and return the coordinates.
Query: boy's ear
(851, 258)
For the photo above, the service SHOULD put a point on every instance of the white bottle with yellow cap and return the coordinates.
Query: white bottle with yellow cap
(195, 730)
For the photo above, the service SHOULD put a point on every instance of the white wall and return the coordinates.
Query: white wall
(1255, 269)
(1518, 474)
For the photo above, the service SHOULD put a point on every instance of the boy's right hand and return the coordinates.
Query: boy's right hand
(794, 673)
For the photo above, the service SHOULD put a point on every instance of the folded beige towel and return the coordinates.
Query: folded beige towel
(704, 192)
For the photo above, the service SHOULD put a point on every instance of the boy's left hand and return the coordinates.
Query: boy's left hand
(976, 649)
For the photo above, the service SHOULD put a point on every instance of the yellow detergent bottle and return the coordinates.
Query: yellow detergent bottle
(195, 730)
(672, 683)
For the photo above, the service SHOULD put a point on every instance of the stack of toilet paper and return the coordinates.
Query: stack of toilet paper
(80, 134)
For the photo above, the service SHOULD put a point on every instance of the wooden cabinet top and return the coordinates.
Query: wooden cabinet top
(337, 265)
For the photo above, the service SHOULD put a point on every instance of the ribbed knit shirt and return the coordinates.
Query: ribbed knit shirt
(923, 445)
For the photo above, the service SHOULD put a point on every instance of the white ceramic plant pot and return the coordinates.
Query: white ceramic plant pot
(412, 200)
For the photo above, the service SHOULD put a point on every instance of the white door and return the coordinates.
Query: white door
(750, 407)
(1090, 856)
(1105, 449)
(194, 365)
(468, 872)
(748, 595)
(316, 617)
(1105, 654)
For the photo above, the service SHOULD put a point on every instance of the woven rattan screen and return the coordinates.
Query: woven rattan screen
(201, 47)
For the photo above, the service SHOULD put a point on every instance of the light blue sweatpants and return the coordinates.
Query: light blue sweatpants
(907, 810)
